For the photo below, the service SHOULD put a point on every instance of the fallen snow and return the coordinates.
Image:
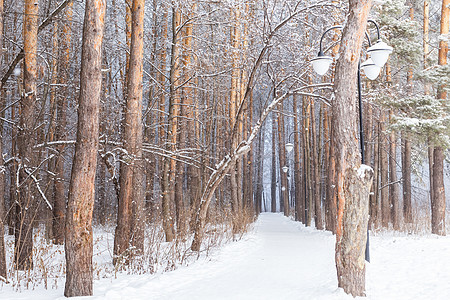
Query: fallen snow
(282, 259)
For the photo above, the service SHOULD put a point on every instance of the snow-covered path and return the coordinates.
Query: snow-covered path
(277, 262)
(282, 259)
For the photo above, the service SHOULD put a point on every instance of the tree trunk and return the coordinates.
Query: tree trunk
(3, 265)
(307, 161)
(273, 182)
(297, 178)
(59, 208)
(23, 252)
(79, 238)
(353, 180)
(374, 197)
(393, 184)
(284, 202)
(438, 200)
(315, 157)
(406, 170)
(130, 219)
(384, 187)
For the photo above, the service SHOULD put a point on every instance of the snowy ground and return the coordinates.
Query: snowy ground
(282, 259)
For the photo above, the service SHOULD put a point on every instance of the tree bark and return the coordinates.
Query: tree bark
(315, 157)
(438, 200)
(130, 218)
(273, 182)
(353, 180)
(384, 172)
(393, 184)
(59, 208)
(374, 197)
(79, 238)
(23, 252)
(284, 201)
(3, 266)
(297, 177)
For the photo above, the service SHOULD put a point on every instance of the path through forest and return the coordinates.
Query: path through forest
(282, 259)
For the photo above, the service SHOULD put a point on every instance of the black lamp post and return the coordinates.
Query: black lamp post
(379, 54)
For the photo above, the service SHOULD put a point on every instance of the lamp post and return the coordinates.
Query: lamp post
(379, 54)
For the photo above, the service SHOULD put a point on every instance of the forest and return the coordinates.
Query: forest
(162, 129)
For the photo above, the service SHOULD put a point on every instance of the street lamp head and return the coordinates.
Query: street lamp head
(289, 147)
(370, 69)
(380, 53)
(321, 63)
(285, 169)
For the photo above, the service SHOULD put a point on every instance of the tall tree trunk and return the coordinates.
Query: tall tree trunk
(3, 265)
(374, 197)
(273, 182)
(331, 183)
(393, 184)
(315, 157)
(426, 40)
(79, 238)
(353, 180)
(259, 165)
(23, 252)
(406, 151)
(307, 161)
(284, 202)
(130, 218)
(297, 178)
(59, 208)
(438, 200)
(384, 172)
(406, 170)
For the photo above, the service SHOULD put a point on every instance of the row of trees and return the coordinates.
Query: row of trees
(160, 115)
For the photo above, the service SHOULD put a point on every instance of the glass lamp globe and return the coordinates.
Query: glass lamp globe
(285, 169)
(370, 69)
(380, 53)
(321, 63)
(289, 147)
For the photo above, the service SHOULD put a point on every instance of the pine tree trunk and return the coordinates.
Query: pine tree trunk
(384, 172)
(307, 161)
(130, 228)
(273, 184)
(297, 177)
(353, 180)
(3, 222)
(79, 235)
(316, 171)
(23, 251)
(393, 184)
(374, 197)
(406, 170)
(284, 202)
(59, 209)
